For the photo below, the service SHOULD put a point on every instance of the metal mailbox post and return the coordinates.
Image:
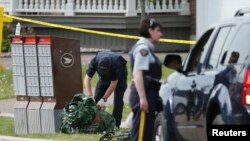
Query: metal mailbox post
(32, 84)
(52, 76)
(19, 82)
(60, 77)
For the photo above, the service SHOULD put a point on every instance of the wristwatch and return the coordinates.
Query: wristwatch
(104, 99)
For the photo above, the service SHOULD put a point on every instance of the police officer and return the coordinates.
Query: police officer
(146, 67)
(112, 71)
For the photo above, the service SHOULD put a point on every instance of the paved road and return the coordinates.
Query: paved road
(85, 58)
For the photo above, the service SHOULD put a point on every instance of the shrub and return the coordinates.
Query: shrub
(6, 44)
(8, 30)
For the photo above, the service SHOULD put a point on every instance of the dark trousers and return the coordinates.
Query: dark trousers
(100, 90)
(152, 96)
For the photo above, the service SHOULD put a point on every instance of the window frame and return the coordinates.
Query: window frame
(211, 48)
(191, 56)
(232, 48)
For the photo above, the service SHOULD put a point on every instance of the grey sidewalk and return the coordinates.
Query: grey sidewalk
(7, 106)
(9, 138)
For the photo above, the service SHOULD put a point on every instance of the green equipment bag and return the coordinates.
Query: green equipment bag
(81, 115)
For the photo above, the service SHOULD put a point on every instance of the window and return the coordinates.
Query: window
(196, 52)
(240, 46)
(217, 47)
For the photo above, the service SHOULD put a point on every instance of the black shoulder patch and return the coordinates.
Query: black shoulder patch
(144, 52)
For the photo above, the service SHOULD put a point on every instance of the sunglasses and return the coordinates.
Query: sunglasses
(152, 21)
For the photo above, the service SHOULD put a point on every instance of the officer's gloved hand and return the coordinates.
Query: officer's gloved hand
(93, 97)
(101, 104)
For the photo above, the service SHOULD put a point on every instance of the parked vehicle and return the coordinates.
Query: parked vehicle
(212, 85)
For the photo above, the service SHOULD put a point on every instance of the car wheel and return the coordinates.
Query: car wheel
(180, 109)
(160, 133)
(218, 120)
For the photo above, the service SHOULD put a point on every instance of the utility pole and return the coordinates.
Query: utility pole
(143, 12)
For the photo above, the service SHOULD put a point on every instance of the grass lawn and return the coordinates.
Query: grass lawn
(6, 84)
(7, 129)
(6, 126)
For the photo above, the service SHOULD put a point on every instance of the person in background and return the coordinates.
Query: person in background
(112, 72)
(146, 68)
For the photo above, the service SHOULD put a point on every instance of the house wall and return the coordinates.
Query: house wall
(193, 18)
(174, 27)
(211, 11)
(95, 41)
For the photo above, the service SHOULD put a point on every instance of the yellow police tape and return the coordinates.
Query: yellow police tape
(94, 31)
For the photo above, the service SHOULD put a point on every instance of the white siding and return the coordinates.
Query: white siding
(211, 11)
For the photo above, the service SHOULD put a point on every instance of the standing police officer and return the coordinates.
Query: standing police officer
(146, 68)
(112, 71)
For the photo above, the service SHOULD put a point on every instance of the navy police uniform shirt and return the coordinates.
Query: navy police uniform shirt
(116, 70)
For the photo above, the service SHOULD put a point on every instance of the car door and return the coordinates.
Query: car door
(205, 79)
(183, 97)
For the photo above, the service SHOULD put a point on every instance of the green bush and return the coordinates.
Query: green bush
(8, 30)
(6, 44)
(6, 85)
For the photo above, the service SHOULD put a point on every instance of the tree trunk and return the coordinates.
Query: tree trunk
(143, 15)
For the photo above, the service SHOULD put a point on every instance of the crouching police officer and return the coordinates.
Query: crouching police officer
(146, 69)
(112, 71)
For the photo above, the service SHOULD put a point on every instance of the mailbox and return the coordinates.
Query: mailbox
(59, 63)
(19, 85)
(46, 75)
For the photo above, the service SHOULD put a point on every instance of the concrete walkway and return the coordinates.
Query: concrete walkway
(9, 138)
(7, 106)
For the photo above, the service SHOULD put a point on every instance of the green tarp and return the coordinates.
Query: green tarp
(81, 115)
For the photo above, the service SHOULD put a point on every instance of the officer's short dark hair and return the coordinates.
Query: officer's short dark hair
(145, 25)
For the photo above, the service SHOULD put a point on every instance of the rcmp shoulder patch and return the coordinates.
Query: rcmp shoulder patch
(144, 52)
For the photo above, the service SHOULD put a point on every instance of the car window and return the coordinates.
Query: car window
(217, 47)
(238, 52)
(196, 52)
